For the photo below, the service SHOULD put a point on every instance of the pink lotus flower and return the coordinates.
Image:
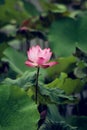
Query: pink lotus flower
(39, 58)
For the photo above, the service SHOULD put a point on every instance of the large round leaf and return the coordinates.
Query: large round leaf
(17, 110)
(66, 32)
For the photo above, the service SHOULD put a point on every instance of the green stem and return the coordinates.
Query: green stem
(37, 83)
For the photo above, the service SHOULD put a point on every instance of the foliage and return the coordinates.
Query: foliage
(55, 121)
(52, 7)
(80, 70)
(17, 110)
(69, 85)
(14, 10)
(65, 64)
(18, 66)
(45, 95)
(62, 26)
(67, 32)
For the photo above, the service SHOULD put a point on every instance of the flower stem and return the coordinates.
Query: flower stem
(37, 83)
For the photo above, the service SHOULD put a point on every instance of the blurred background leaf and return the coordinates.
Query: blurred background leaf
(52, 7)
(30, 8)
(66, 32)
(2, 2)
(65, 64)
(16, 60)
